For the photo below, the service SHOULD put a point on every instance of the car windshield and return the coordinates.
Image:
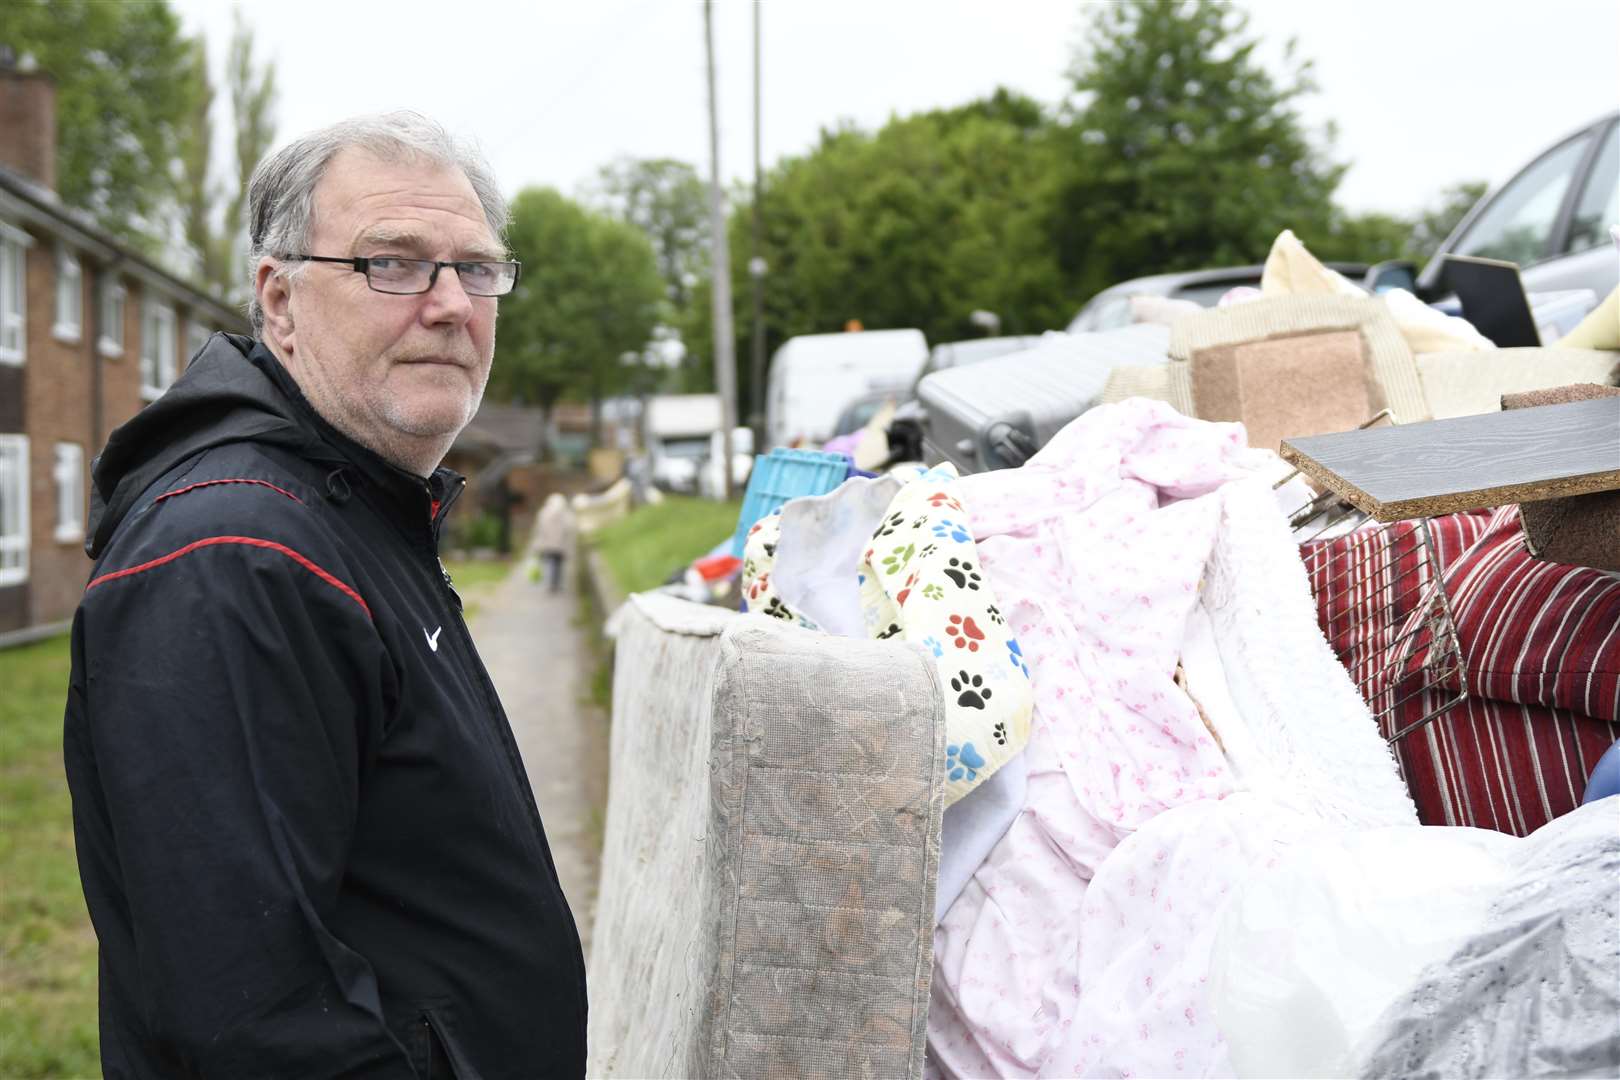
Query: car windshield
(1599, 208)
(858, 415)
(1519, 221)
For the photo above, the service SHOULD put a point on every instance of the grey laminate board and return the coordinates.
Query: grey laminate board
(1469, 462)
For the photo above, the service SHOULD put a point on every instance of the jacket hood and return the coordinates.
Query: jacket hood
(234, 390)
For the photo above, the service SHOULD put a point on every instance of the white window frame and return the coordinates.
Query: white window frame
(69, 324)
(113, 297)
(14, 245)
(157, 348)
(14, 493)
(69, 476)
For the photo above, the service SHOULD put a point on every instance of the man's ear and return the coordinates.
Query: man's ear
(274, 293)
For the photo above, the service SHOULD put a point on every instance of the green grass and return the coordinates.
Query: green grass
(475, 579)
(476, 573)
(47, 948)
(643, 549)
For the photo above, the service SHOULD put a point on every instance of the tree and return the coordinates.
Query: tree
(669, 202)
(1373, 237)
(918, 224)
(198, 195)
(217, 236)
(253, 102)
(123, 101)
(1185, 152)
(1364, 238)
(1437, 222)
(589, 295)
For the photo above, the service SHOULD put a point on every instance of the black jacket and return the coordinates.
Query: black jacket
(306, 837)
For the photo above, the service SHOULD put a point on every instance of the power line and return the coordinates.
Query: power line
(610, 42)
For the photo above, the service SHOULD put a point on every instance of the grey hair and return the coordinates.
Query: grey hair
(281, 195)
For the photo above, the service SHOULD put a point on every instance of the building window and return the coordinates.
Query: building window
(112, 319)
(69, 296)
(157, 349)
(197, 335)
(69, 491)
(13, 299)
(13, 509)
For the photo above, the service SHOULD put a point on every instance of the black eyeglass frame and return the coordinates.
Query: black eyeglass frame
(362, 265)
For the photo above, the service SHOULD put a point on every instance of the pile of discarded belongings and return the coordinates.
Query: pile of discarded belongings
(1162, 753)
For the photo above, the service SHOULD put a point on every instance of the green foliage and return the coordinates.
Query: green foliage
(918, 224)
(1436, 223)
(590, 293)
(197, 193)
(253, 102)
(1187, 153)
(123, 102)
(669, 202)
(1180, 151)
(1368, 238)
(643, 549)
(47, 946)
(217, 236)
(478, 531)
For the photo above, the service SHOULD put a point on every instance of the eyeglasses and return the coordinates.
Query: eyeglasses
(406, 277)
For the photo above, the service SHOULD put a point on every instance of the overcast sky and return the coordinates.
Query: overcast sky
(1425, 92)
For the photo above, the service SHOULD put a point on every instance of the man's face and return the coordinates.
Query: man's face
(400, 374)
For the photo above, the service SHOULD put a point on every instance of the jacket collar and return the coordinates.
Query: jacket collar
(413, 498)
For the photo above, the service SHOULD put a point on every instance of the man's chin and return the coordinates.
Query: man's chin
(432, 420)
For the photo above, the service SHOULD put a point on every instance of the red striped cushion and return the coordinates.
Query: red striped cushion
(1499, 765)
(1533, 632)
(1541, 650)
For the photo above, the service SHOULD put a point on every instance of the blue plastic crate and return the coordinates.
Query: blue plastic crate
(785, 474)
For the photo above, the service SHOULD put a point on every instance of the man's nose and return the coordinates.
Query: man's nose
(447, 301)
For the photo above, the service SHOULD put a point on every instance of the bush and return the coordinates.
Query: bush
(483, 531)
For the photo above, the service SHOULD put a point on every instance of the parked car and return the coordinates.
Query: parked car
(814, 376)
(1552, 218)
(1111, 308)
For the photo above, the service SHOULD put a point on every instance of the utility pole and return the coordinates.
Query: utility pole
(725, 341)
(756, 275)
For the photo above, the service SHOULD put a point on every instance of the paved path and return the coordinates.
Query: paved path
(541, 664)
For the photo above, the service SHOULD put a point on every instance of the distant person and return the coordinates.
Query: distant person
(305, 835)
(554, 537)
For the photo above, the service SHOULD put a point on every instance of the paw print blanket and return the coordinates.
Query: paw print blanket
(921, 580)
(918, 579)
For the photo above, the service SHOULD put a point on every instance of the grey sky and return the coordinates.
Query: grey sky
(1425, 92)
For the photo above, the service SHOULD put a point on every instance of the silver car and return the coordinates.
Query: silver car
(1552, 219)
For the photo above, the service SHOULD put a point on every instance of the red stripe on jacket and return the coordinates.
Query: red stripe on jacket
(231, 480)
(247, 541)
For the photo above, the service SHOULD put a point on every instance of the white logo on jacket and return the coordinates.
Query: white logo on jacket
(433, 638)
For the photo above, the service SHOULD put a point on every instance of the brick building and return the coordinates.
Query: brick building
(90, 331)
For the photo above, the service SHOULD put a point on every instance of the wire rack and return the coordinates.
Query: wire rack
(1381, 601)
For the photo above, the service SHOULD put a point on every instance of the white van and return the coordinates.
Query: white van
(675, 429)
(815, 375)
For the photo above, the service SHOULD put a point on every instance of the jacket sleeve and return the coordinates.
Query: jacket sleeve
(233, 696)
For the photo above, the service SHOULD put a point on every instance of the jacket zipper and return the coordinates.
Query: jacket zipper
(497, 718)
(427, 1047)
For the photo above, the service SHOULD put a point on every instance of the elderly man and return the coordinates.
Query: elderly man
(306, 838)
